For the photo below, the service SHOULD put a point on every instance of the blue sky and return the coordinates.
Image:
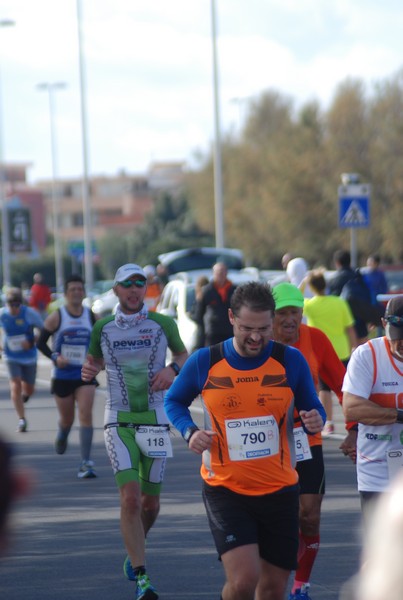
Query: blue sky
(149, 71)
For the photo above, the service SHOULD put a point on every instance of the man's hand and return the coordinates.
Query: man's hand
(201, 440)
(349, 445)
(163, 379)
(312, 420)
(90, 369)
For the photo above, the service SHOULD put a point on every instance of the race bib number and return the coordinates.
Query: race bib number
(302, 447)
(154, 441)
(252, 438)
(74, 354)
(15, 342)
(395, 462)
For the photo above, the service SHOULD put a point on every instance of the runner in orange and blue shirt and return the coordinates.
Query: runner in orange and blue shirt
(249, 386)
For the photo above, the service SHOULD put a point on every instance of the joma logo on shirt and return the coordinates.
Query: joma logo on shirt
(131, 343)
(246, 379)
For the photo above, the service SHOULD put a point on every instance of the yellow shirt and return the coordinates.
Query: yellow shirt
(332, 315)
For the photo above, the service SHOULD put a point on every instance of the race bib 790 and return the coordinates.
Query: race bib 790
(252, 438)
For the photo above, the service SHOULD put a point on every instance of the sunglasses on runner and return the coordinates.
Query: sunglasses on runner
(395, 320)
(14, 304)
(128, 283)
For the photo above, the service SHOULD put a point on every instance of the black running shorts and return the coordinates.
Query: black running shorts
(271, 521)
(66, 387)
(312, 472)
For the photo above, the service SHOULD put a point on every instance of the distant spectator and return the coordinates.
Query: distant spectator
(377, 283)
(40, 295)
(200, 283)
(286, 259)
(374, 277)
(297, 270)
(342, 262)
(162, 274)
(212, 308)
(283, 276)
(154, 288)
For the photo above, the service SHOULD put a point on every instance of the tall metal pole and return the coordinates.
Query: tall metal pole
(89, 272)
(218, 188)
(50, 88)
(5, 244)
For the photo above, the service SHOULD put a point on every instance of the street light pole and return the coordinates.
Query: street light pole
(51, 88)
(89, 272)
(218, 188)
(5, 245)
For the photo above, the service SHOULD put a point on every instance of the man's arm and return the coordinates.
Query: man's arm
(307, 403)
(50, 325)
(186, 387)
(164, 378)
(357, 408)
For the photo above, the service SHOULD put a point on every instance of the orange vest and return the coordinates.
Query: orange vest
(249, 405)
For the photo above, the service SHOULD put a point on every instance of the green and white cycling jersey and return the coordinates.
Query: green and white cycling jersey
(132, 356)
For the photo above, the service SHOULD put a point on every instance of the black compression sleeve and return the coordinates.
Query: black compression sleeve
(42, 345)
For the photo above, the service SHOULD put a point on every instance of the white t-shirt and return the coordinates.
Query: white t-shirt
(374, 374)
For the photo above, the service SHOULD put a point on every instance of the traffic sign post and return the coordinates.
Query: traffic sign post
(354, 212)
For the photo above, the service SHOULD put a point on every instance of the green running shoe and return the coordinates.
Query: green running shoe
(144, 589)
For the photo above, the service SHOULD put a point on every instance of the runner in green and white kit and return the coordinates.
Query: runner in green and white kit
(132, 346)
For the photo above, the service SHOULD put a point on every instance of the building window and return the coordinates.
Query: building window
(78, 219)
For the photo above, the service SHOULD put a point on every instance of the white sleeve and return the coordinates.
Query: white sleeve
(359, 377)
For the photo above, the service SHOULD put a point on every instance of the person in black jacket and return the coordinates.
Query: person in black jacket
(342, 261)
(212, 308)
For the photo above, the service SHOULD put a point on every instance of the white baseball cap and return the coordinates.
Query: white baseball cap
(127, 271)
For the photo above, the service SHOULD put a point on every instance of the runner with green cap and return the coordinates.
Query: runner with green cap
(324, 363)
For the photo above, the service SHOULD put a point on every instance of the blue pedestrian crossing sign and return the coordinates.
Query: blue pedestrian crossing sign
(354, 206)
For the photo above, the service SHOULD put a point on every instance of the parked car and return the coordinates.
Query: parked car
(176, 301)
(394, 278)
(201, 259)
(104, 304)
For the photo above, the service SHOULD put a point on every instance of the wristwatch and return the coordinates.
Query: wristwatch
(189, 432)
(175, 367)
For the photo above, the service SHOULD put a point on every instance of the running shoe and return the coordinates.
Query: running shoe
(328, 429)
(144, 589)
(22, 426)
(61, 443)
(86, 470)
(128, 570)
(301, 593)
(25, 398)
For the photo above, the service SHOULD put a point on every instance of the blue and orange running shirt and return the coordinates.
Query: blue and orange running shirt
(249, 404)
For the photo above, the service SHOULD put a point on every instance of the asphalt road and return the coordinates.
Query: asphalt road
(67, 543)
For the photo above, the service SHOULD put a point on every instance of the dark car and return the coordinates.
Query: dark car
(394, 278)
(200, 259)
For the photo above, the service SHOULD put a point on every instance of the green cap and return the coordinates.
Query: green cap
(287, 294)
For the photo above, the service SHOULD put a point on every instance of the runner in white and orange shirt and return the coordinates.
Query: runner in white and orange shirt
(373, 396)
